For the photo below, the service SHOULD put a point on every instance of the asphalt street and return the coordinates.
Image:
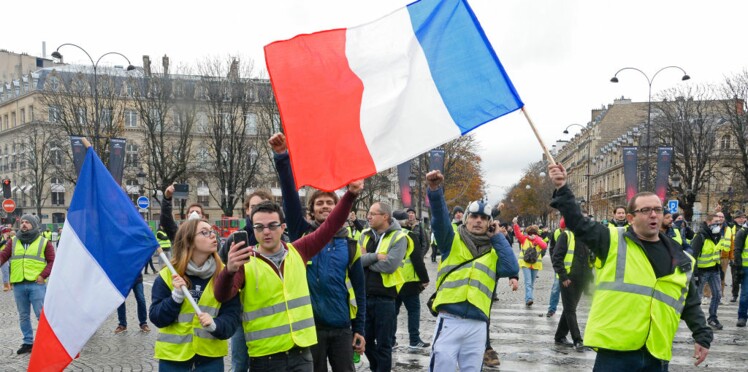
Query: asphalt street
(522, 337)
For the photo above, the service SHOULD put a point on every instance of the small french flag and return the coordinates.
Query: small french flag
(357, 101)
(104, 245)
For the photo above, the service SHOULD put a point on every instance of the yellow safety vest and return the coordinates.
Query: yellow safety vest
(47, 235)
(744, 255)
(726, 242)
(569, 257)
(163, 240)
(631, 307)
(277, 310)
(396, 279)
(409, 271)
(27, 264)
(526, 245)
(709, 254)
(185, 338)
(472, 282)
(677, 237)
(353, 235)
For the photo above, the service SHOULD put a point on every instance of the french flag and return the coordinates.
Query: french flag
(104, 245)
(357, 101)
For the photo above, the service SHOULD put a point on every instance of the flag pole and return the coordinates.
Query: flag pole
(540, 140)
(162, 255)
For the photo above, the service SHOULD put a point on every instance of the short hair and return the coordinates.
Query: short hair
(619, 207)
(316, 194)
(385, 208)
(532, 229)
(632, 202)
(268, 206)
(711, 216)
(263, 194)
(202, 210)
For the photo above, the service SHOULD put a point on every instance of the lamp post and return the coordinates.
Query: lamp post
(95, 65)
(589, 148)
(614, 79)
(140, 176)
(412, 184)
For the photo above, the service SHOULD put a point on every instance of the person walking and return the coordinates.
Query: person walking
(274, 272)
(137, 289)
(473, 258)
(530, 261)
(644, 285)
(741, 272)
(706, 249)
(556, 288)
(31, 258)
(187, 341)
(570, 260)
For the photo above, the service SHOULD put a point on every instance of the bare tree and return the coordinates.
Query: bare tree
(687, 118)
(734, 91)
(38, 151)
(233, 136)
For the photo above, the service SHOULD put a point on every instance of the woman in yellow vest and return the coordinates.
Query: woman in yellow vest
(186, 341)
(529, 269)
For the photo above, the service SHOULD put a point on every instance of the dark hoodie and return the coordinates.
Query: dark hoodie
(697, 244)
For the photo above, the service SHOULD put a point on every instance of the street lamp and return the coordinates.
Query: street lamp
(589, 148)
(412, 184)
(95, 65)
(614, 79)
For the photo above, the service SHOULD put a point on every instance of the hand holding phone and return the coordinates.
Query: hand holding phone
(241, 236)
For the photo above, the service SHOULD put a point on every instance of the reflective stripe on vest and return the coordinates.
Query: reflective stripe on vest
(744, 255)
(472, 282)
(277, 311)
(409, 271)
(538, 265)
(163, 240)
(709, 256)
(185, 338)
(629, 298)
(27, 264)
(569, 258)
(395, 279)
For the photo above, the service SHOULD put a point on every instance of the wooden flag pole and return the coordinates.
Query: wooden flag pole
(540, 140)
(173, 271)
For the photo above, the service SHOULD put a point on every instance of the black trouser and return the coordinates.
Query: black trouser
(434, 252)
(334, 344)
(570, 298)
(735, 271)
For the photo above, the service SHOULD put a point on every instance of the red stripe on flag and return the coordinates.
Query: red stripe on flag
(48, 354)
(319, 98)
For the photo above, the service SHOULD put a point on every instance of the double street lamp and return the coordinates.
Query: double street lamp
(614, 79)
(589, 148)
(95, 65)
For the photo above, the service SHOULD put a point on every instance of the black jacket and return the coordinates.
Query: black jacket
(580, 268)
(597, 238)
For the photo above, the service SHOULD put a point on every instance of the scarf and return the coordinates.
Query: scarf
(477, 244)
(27, 237)
(342, 233)
(202, 272)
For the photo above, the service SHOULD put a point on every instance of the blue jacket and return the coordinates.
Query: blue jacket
(326, 271)
(506, 266)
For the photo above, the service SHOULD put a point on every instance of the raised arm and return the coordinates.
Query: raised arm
(297, 224)
(440, 224)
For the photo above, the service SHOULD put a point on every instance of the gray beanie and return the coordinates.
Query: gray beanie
(32, 219)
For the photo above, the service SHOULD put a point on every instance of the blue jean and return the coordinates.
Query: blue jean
(743, 305)
(715, 283)
(6, 272)
(528, 275)
(28, 295)
(627, 361)
(239, 352)
(294, 360)
(555, 294)
(211, 365)
(137, 289)
(380, 331)
(413, 305)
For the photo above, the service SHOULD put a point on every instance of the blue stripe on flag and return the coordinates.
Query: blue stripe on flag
(468, 74)
(108, 225)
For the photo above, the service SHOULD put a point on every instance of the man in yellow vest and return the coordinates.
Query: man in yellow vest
(619, 217)
(735, 270)
(31, 257)
(644, 285)
(277, 316)
(707, 251)
(383, 246)
(741, 272)
(672, 232)
(473, 258)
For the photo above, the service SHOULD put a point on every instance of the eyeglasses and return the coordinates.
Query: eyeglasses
(207, 233)
(648, 210)
(258, 227)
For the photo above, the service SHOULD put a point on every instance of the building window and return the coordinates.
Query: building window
(80, 115)
(203, 193)
(725, 142)
(133, 190)
(58, 198)
(106, 116)
(55, 113)
(23, 116)
(131, 119)
(55, 156)
(13, 118)
(250, 127)
(131, 155)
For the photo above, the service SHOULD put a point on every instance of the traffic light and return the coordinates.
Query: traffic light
(6, 189)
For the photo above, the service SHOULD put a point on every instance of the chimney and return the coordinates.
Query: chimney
(147, 65)
(165, 62)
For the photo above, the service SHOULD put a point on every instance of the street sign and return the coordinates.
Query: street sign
(672, 205)
(143, 202)
(9, 205)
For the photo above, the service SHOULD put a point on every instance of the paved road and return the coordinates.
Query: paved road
(523, 338)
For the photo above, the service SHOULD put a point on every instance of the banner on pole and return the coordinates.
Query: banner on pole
(403, 177)
(117, 158)
(79, 153)
(631, 179)
(664, 158)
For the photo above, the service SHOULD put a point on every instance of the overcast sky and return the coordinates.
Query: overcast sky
(560, 55)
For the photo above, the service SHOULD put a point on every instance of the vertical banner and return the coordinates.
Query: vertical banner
(403, 174)
(79, 152)
(631, 180)
(436, 160)
(117, 158)
(664, 158)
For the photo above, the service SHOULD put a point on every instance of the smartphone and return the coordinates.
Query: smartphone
(491, 228)
(241, 236)
(181, 191)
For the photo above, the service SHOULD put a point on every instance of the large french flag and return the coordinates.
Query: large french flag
(104, 245)
(357, 101)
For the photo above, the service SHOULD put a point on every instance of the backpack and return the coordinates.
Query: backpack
(531, 255)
